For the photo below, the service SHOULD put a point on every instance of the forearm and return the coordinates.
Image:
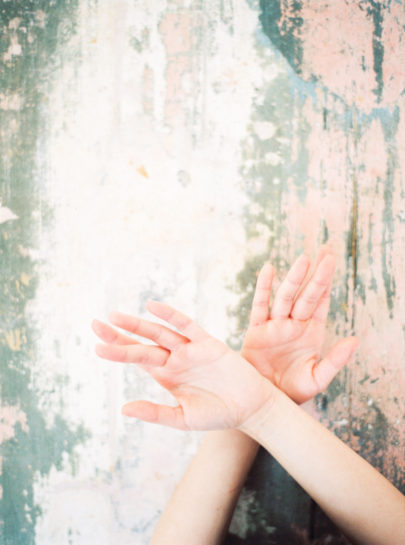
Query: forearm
(366, 506)
(200, 510)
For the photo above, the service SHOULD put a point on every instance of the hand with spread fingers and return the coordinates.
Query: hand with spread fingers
(284, 342)
(214, 386)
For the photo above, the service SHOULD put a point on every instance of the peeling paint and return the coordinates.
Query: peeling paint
(340, 179)
(139, 142)
(28, 445)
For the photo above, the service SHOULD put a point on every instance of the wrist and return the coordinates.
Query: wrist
(263, 415)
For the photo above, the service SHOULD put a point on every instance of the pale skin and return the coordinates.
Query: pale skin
(217, 388)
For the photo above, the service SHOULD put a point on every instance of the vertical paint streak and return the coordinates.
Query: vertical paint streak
(375, 9)
(349, 183)
(390, 128)
(30, 32)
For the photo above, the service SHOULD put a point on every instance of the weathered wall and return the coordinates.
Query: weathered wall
(165, 149)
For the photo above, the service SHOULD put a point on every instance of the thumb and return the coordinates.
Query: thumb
(158, 414)
(337, 357)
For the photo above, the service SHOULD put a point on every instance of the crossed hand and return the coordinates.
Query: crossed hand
(216, 387)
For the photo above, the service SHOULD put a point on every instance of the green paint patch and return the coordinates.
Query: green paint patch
(375, 10)
(30, 34)
(283, 29)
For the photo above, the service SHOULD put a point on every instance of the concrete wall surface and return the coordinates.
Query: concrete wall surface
(166, 148)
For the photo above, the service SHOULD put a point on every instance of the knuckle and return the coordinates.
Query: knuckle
(260, 303)
(287, 297)
(143, 357)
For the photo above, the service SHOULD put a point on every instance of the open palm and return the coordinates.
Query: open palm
(214, 386)
(285, 343)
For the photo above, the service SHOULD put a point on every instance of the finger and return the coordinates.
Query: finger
(148, 356)
(338, 356)
(158, 414)
(322, 310)
(261, 299)
(156, 332)
(309, 298)
(110, 335)
(323, 251)
(182, 322)
(284, 299)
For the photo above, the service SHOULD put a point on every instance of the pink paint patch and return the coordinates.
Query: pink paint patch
(9, 417)
(180, 38)
(337, 49)
(372, 148)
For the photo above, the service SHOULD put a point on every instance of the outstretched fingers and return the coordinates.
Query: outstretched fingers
(261, 298)
(110, 335)
(148, 356)
(310, 297)
(180, 321)
(161, 335)
(321, 311)
(286, 293)
(158, 414)
(338, 356)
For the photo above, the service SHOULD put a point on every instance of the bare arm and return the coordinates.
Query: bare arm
(201, 507)
(365, 505)
(216, 388)
(200, 510)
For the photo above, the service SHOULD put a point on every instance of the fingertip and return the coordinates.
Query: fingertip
(143, 410)
(152, 304)
(326, 248)
(303, 261)
(355, 343)
(265, 275)
(114, 316)
(95, 325)
(100, 349)
(300, 267)
(126, 410)
(330, 260)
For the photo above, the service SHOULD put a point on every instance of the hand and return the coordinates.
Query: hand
(284, 344)
(214, 386)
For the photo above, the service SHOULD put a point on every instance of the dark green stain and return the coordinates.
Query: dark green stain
(43, 26)
(265, 185)
(374, 10)
(284, 32)
(389, 123)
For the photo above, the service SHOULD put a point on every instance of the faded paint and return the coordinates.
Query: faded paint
(30, 446)
(346, 140)
(139, 142)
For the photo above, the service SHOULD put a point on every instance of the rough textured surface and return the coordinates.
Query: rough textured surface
(166, 149)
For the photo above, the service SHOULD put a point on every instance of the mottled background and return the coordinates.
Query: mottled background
(166, 148)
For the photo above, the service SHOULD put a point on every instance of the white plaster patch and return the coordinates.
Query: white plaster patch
(273, 159)
(6, 214)
(127, 227)
(264, 129)
(10, 102)
(14, 23)
(13, 50)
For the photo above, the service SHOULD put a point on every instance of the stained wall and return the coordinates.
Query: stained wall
(166, 149)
